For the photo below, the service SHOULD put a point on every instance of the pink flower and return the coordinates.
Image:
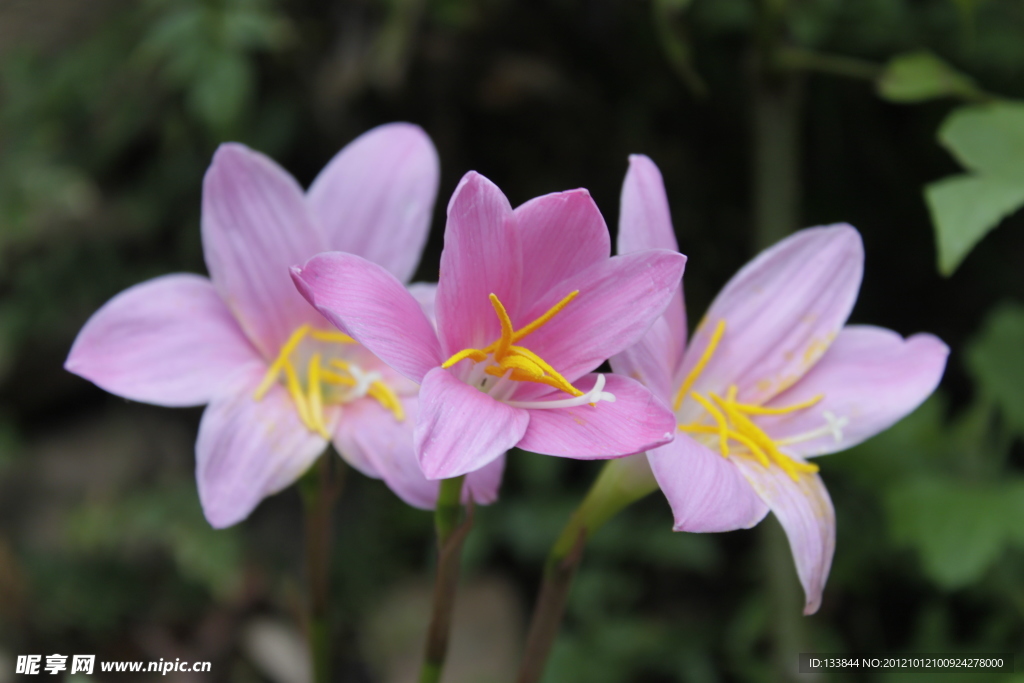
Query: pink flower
(280, 381)
(771, 378)
(529, 302)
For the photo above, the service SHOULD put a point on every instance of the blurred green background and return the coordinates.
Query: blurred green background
(763, 116)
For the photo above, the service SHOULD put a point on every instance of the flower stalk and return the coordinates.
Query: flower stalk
(320, 490)
(451, 533)
(620, 483)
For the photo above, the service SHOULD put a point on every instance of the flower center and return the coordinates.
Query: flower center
(498, 366)
(734, 429)
(324, 379)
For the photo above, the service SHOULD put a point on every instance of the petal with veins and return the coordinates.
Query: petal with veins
(170, 341)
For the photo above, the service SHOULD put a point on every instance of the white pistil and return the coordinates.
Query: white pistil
(593, 396)
(363, 381)
(833, 427)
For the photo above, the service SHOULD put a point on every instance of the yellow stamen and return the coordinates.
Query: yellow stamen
(332, 336)
(699, 367)
(316, 397)
(476, 355)
(505, 341)
(295, 389)
(387, 398)
(525, 365)
(274, 371)
(723, 425)
(760, 410)
(735, 436)
(543, 320)
(335, 378)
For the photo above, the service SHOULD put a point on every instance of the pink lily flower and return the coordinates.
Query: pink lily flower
(528, 304)
(772, 377)
(280, 381)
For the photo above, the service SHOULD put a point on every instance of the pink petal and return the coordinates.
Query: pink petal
(255, 225)
(425, 294)
(170, 341)
(370, 439)
(375, 197)
(481, 257)
(249, 449)
(805, 512)
(647, 363)
(870, 378)
(482, 485)
(645, 222)
(782, 310)
(618, 301)
(367, 302)
(375, 443)
(634, 422)
(706, 491)
(562, 234)
(461, 429)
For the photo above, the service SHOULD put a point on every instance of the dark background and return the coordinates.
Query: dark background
(109, 113)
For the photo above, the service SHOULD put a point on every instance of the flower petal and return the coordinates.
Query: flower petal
(781, 312)
(169, 341)
(707, 492)
(482, 485)
(375, 443)
(870, 378)
(634, 422)
(619, 299)
(376, 196)
(645, 222)
(805, 511)
(368, 303)
(256, 225)
(425, 294)
(461, 429)
(647, 362)
(249, 449)
(562, 234)
(481, 257)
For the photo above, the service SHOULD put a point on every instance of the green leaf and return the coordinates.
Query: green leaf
(989, 141)
(959, 531)
(965, 208)
(987, 138)
(996, 361)
(921, 76)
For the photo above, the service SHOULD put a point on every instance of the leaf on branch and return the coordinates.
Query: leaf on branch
(922, 76)
(989, 141)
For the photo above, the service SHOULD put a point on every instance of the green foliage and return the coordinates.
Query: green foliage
(989, 141)
(960, 529)
(996, 360)
(921, 76)
(168, 520)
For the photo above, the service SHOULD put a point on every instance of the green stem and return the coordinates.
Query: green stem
(320, 490)
(451, 533)
(786, 602)
(620, 483)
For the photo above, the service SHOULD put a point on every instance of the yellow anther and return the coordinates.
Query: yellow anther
(387, 398)
(335, 378)
(505, 341)
(316, 397)
(699, 367)
(734, 436)
(525, 365)
(476, 355)
(332, 336)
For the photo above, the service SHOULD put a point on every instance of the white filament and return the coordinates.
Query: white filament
(593, 396)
